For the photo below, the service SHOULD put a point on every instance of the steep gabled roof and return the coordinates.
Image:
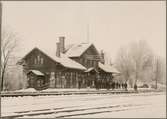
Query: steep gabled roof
(44, 51)
(63, 60)
(77, 50)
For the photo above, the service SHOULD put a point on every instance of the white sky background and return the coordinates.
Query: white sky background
(111, 24)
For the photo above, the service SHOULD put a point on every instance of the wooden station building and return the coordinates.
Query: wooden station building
(72, 66)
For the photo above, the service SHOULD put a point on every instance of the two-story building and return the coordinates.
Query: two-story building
(71, 66)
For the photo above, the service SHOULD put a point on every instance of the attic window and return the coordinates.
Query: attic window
(41, 60)
(38, 59)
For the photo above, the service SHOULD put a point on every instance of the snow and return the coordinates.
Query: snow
(77, 49)
(108, 68)
(68, 89)
(63, 60)
(67, 62)
(88, 90)
(67, 47)
(26, 90)
(90, 69)
(160, 86)
(87, 106)
(37, 72)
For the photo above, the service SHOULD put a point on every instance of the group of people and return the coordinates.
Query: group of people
(110, 85)
(116, 85)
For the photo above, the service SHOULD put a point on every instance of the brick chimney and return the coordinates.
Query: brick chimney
(62, 44)
(102, 56)
(58, 49)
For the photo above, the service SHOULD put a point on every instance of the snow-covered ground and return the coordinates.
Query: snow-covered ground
(87, 106)
(73, 90)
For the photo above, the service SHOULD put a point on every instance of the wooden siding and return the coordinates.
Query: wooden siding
(89, 58)
(65, 77)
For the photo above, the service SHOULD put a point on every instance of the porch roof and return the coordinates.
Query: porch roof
(108, 69)
(36, 72)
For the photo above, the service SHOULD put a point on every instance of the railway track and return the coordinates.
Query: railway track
(70, 111)
(75, 106)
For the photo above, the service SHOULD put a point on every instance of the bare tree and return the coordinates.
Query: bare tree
(141, 56)
(158, 70)
(8, 46)
(123, 64)
(134, 60)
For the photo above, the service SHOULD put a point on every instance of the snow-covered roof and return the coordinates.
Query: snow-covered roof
(63, 60)
(67, 62)
(67, 47)
(107, 68)
(47, 52)
(77, 49)
(37, 72)
(90, 69)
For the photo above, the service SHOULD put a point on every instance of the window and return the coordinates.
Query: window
(52, 76)
(38, 59)
(38, 83)
(95, 64)
(88, 63)
(42, 60)
(85, 62)
(92, 63)
(35, 61)
(81, 61)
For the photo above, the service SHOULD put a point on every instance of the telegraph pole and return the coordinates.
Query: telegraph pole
(1, 81)
(88, 33)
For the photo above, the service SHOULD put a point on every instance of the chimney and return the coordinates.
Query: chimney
(58, 49)
(102, 56)
(62, 43)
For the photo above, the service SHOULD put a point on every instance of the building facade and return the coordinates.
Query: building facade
(73, 66)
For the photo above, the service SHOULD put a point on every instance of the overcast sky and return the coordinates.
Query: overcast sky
(111, 24)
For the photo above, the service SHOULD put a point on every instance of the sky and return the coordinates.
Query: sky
(109, 25)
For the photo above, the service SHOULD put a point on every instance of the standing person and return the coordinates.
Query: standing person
(122, 85)
(119, 85)
(79, 84)
(135, 87)
(116, 85)
(113, 85)
(126, 86)
(79, 81)
(97, 82)
(108, 83)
